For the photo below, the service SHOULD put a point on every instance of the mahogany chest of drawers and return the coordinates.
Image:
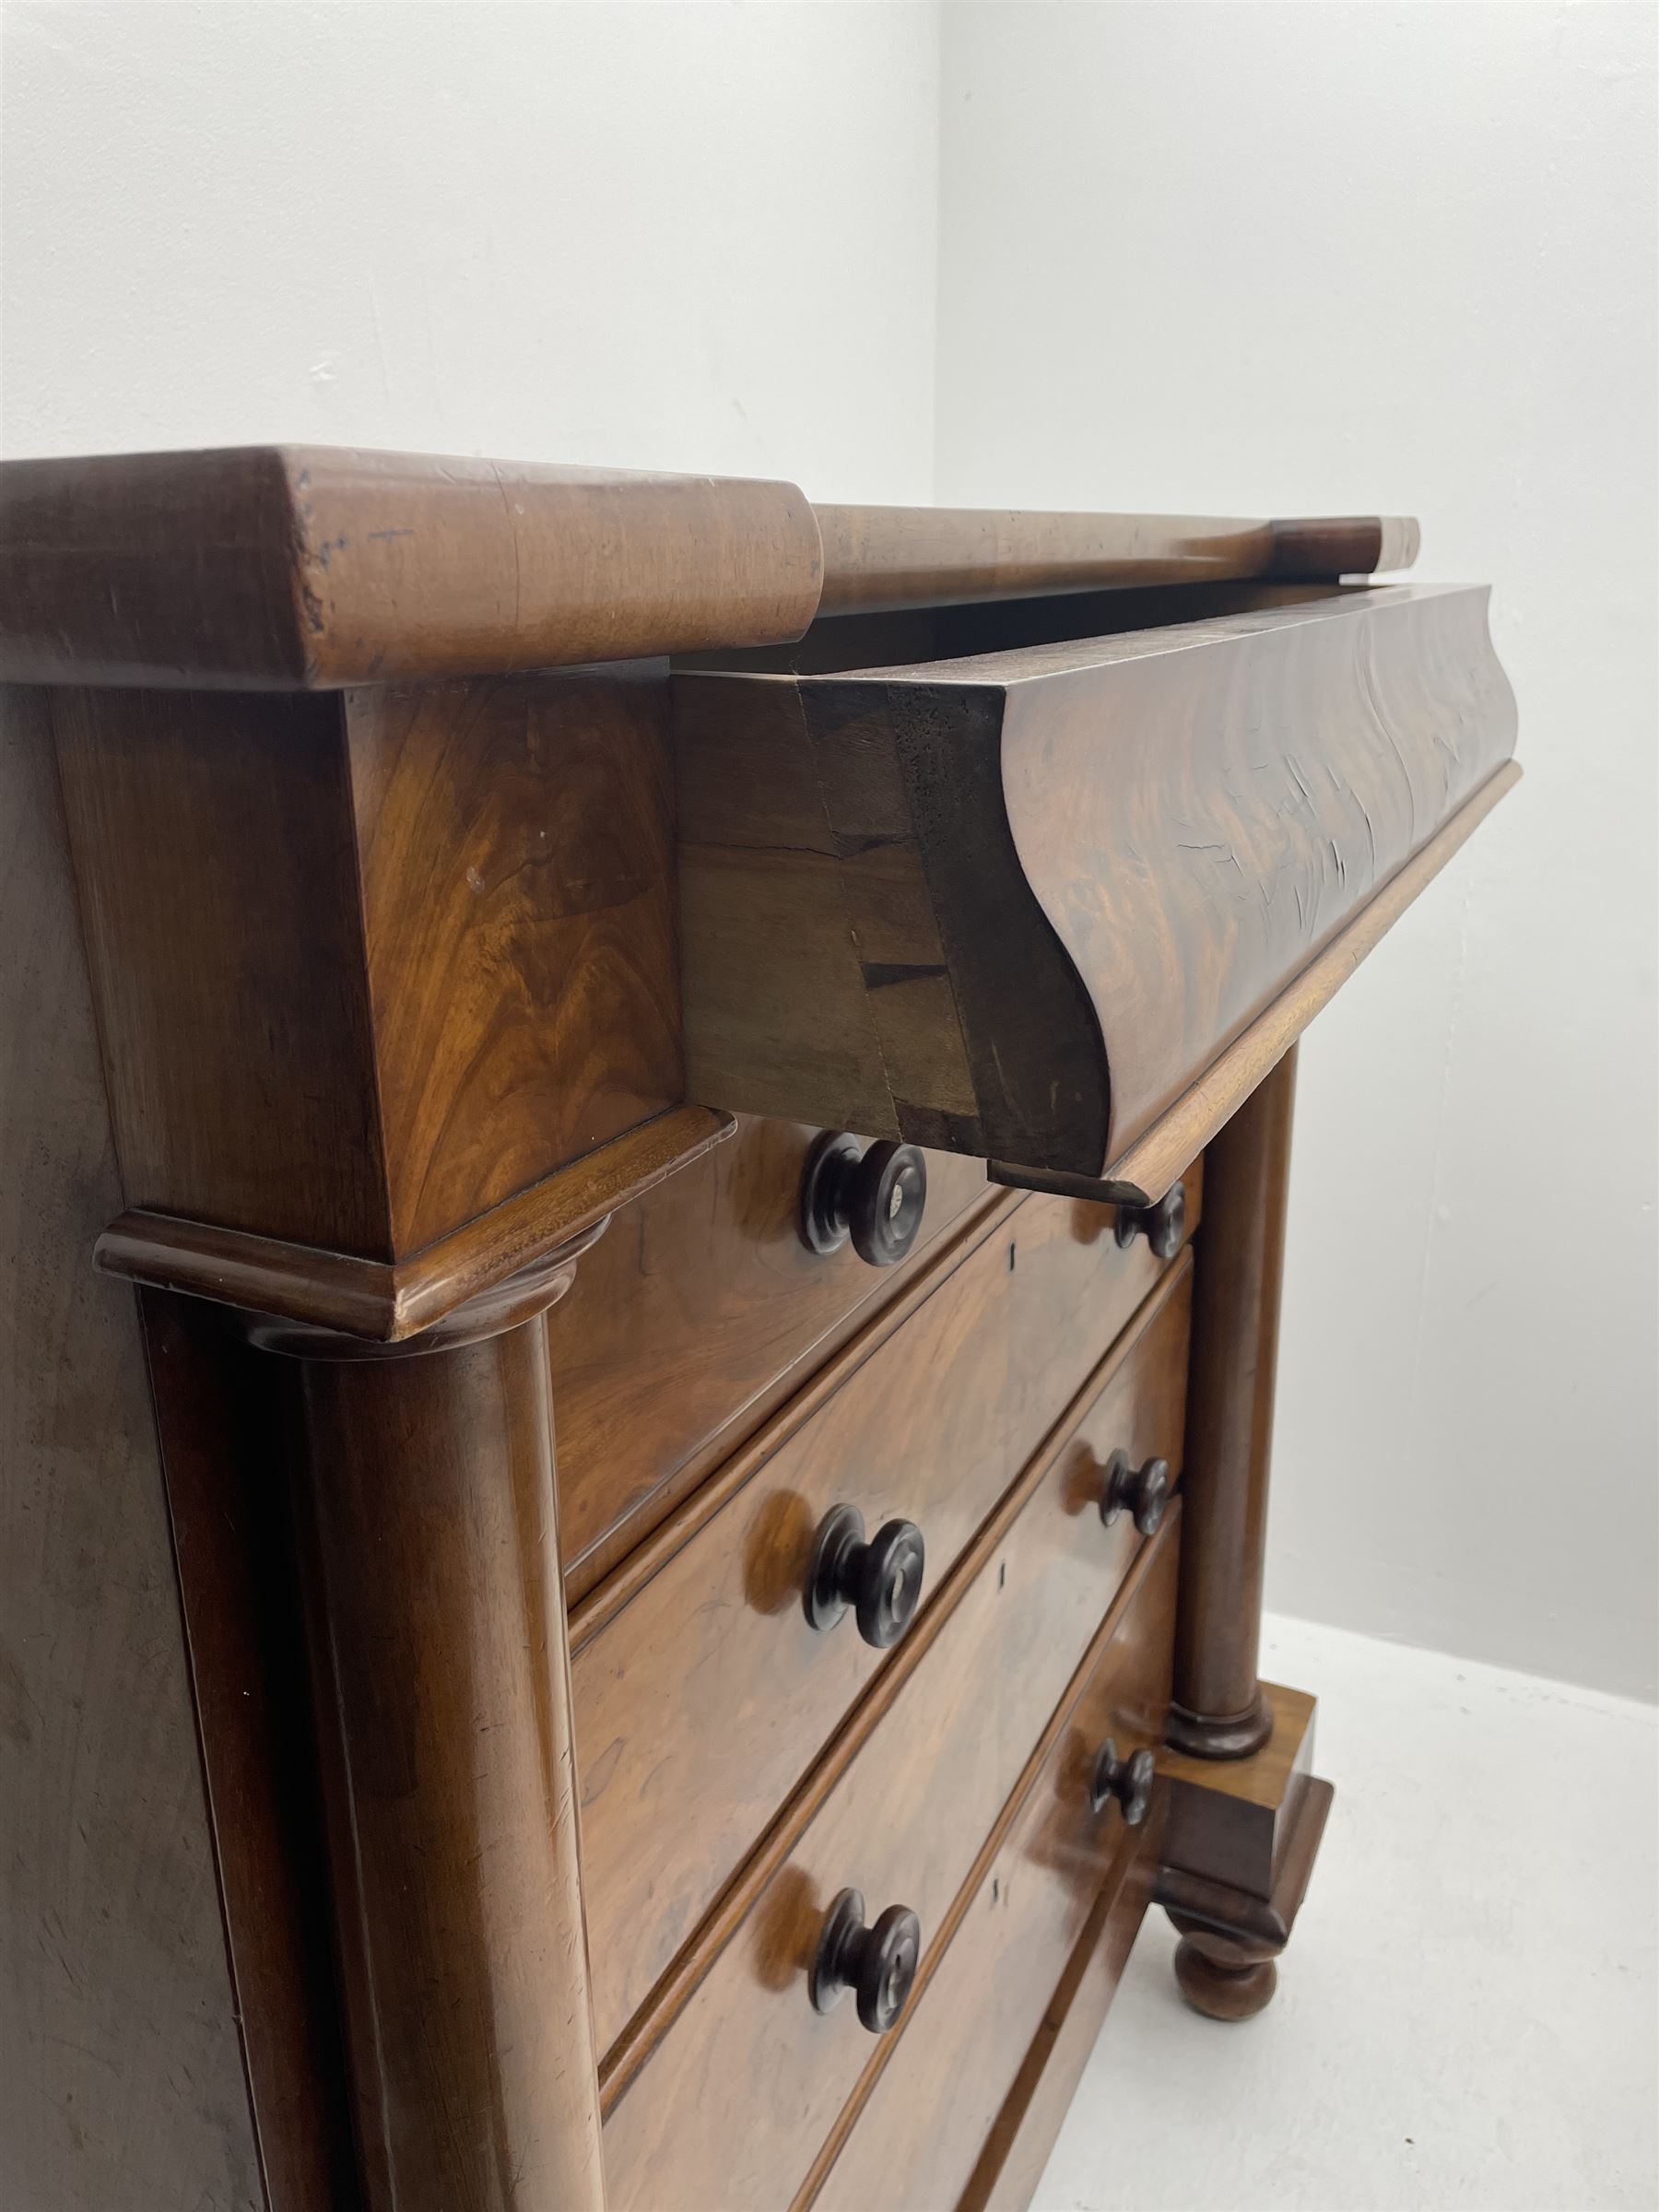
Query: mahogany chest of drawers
(701, 1092)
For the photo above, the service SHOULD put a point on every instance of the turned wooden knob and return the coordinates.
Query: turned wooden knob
(880, 1579)
(1128, 1779)
(876, 1197)
(878, 1964)
(1163, 1225)
(1143, 1491)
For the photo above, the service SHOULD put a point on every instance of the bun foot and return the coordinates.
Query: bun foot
(1220, 1978)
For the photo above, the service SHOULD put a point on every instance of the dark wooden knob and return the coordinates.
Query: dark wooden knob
(1143, 1491)
(878, 1964)
(880, 1579)
(1163, 1225)
(1128, 1779)
(876, 1197)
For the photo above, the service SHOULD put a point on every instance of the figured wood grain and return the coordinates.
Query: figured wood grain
(450, 905)
(515, 852)
(1020, 904)
(897, 557)
(934, 2093)
(389, 1302)
(1081, 1436)
(710, 1691)
(695, 1317)
(292, 566)
(1080, 1262)
(898, 1811)
(1157, 1159)
(121, 2066)
(1235, 795)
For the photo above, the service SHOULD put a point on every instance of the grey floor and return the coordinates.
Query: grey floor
(1466, 2017)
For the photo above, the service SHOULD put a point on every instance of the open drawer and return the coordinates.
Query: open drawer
(1062, 905)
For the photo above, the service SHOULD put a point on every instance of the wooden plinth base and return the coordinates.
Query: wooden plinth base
(1239, 1849)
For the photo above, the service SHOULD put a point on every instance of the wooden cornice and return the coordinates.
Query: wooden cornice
(311, 568)
(307, 567)
(878, 559)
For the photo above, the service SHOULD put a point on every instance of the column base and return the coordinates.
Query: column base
(1228, 1735)
(1240, 1845)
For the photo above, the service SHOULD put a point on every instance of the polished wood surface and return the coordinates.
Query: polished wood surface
(897, 557)
(390, 1301)
(121, 2063)
(1219, 1711)
(899, 1810)
(1199, 816)
(1156, 1160)
(1052, 1354)
(453, 908)
(296, 567)
(695, 1317)
(1229, 1818)
(709, 1691)
(1222, 1979)
(1018, 905)
(213, 855)
(938, 2090)
(433, 917)
(1071, 1250)
(442, 1714)
(313, 565)
(515, 865)
(1225, 1963)
(1239, 1849)
(1017, 2150)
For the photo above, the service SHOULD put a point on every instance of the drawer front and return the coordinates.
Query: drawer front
(1016, 2151)
(1018, 905)
(687, 1320)
(701, 1703)
(735, 2082)
(914, 2145)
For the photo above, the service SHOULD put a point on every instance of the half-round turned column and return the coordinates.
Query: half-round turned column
(1219, 1710)
(435, 1616)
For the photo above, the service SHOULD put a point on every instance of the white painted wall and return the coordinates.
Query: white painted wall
(1260, 259)
(675, 237)
(1274, 259)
